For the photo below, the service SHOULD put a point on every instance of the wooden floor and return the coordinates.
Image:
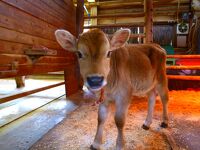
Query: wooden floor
(24, 121)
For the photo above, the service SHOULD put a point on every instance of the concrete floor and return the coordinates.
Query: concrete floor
(20, 120)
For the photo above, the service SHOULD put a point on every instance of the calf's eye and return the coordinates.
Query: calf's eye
(79, 54)
(109, 54)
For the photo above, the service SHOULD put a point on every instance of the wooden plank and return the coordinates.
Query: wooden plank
(65, 4)
(12, 47)
(79, 17)
(35, 23)
(171, 9)
(132, 35)
(61, 60)
(8, 59)
(67, 10)
(19, 95)
(49, 10)
(13, 36)
(148, 21)
(131, 15)
(183, 67)
(71, 80)
(7, 47)
(33, 69)
(60, 7)
(115, 25)
(18, 65)
(28, 28)
(183, 56)
(179, 77)
(11, 58)
(34, 11)
(169, 3)
(7, 71)
(26, 20)
(117, 4)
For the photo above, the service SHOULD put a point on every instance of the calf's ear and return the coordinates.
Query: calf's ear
(66, 40)
(120, 38)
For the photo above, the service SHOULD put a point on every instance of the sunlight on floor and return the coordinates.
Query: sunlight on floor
(14, 109)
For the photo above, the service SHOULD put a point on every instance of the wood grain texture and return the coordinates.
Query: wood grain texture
(31, 23)
(27, 7)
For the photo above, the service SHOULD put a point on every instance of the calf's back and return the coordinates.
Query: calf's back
(137, 67)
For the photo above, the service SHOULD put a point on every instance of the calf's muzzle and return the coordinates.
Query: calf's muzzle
(95, 82)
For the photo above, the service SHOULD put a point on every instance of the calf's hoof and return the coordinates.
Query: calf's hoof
(164, 125)
(92, 148)
(95, 146)
(145, 127)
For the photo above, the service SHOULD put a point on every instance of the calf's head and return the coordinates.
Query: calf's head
(93, 49)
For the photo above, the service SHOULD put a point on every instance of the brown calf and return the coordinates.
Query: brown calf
(122, 70)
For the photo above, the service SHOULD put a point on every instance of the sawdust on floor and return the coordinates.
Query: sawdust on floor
(77, 131)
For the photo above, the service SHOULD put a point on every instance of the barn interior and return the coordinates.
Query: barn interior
(42, 102)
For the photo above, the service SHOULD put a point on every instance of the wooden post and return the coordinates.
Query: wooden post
(20, 81)
(72, 73)
(72, 79)
(79, 17)
(191, 15)
(94, 13)
(148, 9)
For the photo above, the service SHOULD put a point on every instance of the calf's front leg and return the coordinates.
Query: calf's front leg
(120, 118)
(102, 115)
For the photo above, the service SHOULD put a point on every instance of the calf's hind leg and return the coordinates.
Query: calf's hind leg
(164, 95)
(162, 88)
(151, 104)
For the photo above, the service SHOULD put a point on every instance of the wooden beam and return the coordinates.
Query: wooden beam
(132, 35)
(72, 79)
(27, 7)
(179, 77)
(132, 4)
(169, 3)
(115, 25)
(79, 17)
(131, 15)
(149, 21)
(8, 72)
(19, 65)
(183, 67)
(116, 4)
(183, 56)
(16, 96)
(191, 15)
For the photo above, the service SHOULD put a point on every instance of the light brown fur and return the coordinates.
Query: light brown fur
(130, 70)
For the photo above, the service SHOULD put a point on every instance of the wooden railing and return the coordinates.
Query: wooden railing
(184, 67)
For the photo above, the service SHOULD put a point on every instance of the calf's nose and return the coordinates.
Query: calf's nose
(95, 81)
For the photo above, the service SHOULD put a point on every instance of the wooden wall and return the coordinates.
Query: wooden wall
(26, 24)
(164, 34)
